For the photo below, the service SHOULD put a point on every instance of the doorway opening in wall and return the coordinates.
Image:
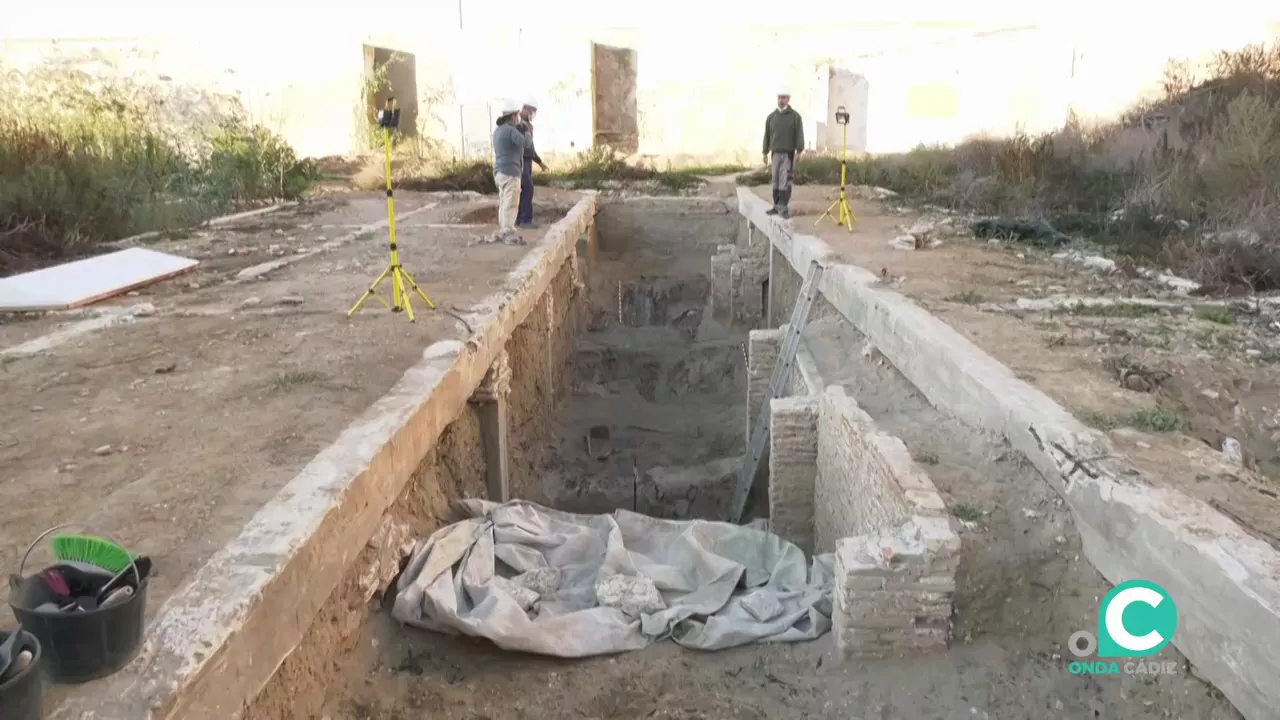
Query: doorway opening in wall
(614, 119)
(390, 73)
(764, 299)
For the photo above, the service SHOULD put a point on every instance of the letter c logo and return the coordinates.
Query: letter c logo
(1138, 619)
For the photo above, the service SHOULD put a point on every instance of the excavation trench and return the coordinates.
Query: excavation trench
(652, 418)
(631, 382)
(626, 391)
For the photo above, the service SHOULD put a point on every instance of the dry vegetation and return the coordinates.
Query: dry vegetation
(1191, 182)
(598, 168)
(91, 158)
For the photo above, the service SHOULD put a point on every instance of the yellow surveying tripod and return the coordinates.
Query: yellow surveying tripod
(401, 282)
(847, 217)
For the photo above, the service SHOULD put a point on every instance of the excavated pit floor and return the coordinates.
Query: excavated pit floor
(653, 418)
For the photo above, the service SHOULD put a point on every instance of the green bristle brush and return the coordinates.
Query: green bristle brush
(92, 550)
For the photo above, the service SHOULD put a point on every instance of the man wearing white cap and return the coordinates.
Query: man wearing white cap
(524, 218)
(508, 161)
(784, 140)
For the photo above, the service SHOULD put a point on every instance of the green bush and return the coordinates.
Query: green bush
(249, 162)
(83, 161)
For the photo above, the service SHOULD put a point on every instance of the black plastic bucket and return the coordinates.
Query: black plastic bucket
(22, 695)
(84, 645)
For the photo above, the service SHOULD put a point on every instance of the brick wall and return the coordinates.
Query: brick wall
(856, 490)
(896, 552)
(738, 276)
(762, 356)
(837, 482)
(894, 588)
(793, 465)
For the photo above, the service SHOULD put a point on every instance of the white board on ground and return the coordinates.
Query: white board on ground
(87, 281)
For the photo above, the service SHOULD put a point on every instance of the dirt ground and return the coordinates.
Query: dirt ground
(1211, 371)
(170, 432)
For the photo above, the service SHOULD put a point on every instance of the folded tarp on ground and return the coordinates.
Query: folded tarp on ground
(543, 581)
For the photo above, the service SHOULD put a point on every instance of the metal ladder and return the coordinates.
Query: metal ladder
(777, 383)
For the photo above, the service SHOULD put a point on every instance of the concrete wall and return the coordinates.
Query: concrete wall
(852, 92)
(919, 83)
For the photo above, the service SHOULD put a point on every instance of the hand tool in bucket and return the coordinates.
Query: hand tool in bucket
(21, 684)
(94, 631)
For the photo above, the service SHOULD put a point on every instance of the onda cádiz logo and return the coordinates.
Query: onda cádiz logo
(1136, 620)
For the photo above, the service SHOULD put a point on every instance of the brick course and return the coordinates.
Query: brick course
(793, 463)
(894, 589)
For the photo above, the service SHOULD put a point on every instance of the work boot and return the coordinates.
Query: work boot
(784, 199)
(531, 225)
(773, 210)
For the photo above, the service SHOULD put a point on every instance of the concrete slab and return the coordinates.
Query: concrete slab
(84, 282)
(1225, 582)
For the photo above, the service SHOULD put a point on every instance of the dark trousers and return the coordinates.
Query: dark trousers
(525, 213)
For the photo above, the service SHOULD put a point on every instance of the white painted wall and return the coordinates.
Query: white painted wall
(704, 87)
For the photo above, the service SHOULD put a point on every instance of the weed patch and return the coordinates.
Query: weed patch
(86, 160)
(1213, 313)
(1149, 420)
(1116, 310)
(968, 297)
(925, 457)
(292, 379)
(966, 512)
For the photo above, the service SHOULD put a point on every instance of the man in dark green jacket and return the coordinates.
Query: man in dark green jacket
(784, 139)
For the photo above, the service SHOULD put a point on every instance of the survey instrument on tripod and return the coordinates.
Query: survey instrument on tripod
(845, 216)
(402, 285)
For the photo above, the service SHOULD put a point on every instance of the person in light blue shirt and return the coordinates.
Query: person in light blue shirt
(508, 165)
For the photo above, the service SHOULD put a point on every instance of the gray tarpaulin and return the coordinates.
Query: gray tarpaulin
(543, 581)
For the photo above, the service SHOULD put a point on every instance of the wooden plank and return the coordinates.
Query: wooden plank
(84, 282)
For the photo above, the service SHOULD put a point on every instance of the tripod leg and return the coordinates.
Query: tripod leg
(402, 279)
(827, 214)
(373, 290)
(397, 290)
(414, 286)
